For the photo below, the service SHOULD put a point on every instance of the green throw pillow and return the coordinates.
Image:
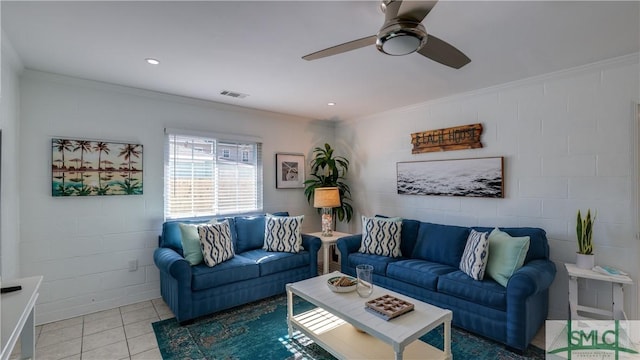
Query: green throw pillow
(191, 247)
(506, 255)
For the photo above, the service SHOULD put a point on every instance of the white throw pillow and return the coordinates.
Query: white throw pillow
(381, 236)
(283, 233)
(475, 256)
(216, 243)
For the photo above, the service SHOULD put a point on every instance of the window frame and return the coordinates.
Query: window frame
(235, 201)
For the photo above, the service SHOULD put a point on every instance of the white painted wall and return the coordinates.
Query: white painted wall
(9, 182)
(82, 246)
(567, 139)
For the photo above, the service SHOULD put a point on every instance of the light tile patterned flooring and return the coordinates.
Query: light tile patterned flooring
(121, 333)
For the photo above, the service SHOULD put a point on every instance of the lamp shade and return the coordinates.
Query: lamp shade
(326, 197)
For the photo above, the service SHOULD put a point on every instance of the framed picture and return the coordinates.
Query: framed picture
(94, 168)
(481, 177)
(289, 171)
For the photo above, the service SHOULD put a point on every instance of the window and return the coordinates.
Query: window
(209, 176)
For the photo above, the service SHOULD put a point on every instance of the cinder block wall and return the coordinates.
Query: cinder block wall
(569, 140)
(83, 246)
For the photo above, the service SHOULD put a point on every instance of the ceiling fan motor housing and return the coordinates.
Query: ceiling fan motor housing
(401, 37)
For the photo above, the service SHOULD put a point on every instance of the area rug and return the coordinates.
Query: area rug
(259, 331)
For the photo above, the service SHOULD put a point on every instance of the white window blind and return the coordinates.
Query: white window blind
(209, 176)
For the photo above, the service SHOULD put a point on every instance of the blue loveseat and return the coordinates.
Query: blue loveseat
(252, 274)
(428, 271)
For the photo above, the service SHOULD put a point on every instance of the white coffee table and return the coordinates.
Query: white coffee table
(331, 325)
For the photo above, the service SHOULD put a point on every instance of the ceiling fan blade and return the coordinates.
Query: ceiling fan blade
(391, 9)
(444, 53)
(339, 49)
(415, 10)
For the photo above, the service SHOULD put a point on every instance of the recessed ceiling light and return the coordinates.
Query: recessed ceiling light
(152, 61)
(331, 104)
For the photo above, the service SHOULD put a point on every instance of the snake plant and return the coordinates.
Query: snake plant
(584, 231)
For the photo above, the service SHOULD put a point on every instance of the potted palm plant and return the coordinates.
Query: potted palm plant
(584, 231)
(328, 170)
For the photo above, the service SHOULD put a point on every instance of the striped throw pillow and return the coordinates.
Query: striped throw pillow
(381, 236)
(475, 255)
(215, 240)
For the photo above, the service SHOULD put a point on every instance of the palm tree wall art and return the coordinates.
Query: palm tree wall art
(95, 168)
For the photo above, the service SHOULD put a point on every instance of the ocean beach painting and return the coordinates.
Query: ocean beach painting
(94, 168)
(481, 177)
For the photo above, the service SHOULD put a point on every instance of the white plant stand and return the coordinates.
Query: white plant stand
(617, 284)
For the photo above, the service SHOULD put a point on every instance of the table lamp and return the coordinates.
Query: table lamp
(326, 198)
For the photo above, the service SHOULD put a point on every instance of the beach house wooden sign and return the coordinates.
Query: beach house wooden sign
(453, 138)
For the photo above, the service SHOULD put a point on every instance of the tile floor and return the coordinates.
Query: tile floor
(538, 340)
(121, 333)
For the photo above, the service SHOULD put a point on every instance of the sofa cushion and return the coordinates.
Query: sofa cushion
(191, 246)
(283, 233)
(408, 234)
(232, 227)
(506, 255)
(440, 243)
(381, 236)
(172, 236)
(216, 243)
(379, 262)
(475, 255)
(273, 262)
(421, 273)
(249, 232)
(538, 244)
(486, 292)
(233, 270)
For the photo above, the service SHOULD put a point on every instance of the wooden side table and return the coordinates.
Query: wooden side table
(327, 241)
(617, 283)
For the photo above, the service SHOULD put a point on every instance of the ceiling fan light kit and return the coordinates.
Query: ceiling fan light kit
(401, 38)
(402, 34)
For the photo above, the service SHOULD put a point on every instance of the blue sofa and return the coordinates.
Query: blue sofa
(252, 274)
(428, 271)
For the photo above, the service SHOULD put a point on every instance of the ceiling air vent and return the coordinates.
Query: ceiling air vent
(233, 94)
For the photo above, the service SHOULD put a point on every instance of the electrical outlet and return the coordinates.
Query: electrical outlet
(133, 265)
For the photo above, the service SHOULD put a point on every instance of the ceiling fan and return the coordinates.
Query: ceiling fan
(401, 34)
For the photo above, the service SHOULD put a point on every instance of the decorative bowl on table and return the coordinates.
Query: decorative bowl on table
(342, 284)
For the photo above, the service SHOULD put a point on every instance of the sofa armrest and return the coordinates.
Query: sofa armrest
(528, 301)
(347, 245)
(312, 244)
(532, 278)
(173, 264)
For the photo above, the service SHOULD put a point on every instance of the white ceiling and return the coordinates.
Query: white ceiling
(256, 48)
